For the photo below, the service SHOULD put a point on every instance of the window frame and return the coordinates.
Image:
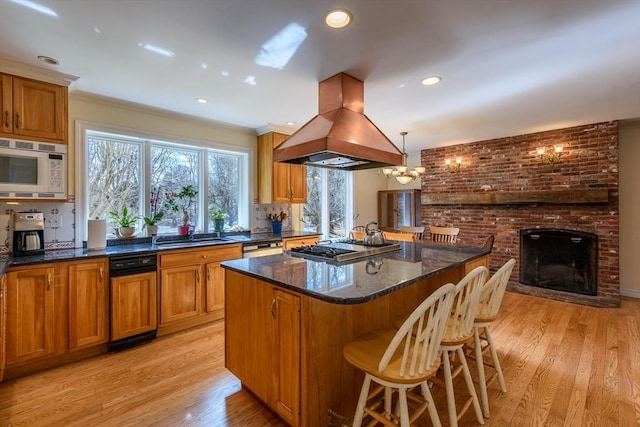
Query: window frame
(150, 139)
(324, 208)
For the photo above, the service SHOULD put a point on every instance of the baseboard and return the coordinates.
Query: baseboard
(633, 293)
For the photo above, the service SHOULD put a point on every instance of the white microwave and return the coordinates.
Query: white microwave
(32, 170)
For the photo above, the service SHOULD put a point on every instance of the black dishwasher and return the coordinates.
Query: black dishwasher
(133, 300)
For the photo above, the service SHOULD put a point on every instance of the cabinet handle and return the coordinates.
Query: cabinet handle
(101, 274)
(208, 274)
(205, 256)
(273, 308)
(198, 276)
(17, 120)
(6, 118)
(49, 281)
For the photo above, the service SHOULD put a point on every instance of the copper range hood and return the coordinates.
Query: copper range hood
(340, 136)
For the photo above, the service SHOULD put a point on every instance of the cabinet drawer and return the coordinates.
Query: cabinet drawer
(299, 241)
(200, 255)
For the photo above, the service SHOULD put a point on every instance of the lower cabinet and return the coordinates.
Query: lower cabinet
(3, 312)
(479, 262)
(192, 285)
(133, 305)
(265, 322)
(88, 303)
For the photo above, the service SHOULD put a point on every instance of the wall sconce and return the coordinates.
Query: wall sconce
(453, 167)
(550, 156)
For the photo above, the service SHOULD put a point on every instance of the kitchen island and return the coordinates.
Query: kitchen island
(288, 318)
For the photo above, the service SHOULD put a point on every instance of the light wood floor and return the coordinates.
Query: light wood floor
(564, 364)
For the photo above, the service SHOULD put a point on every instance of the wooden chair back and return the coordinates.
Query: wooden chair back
(444, 234)
(420, 335)
(404, 237)
(488, 243)
(460, 325)
(493, 291)
(357, 233)
(416, 231)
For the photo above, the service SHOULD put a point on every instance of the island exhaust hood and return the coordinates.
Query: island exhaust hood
(340, 136)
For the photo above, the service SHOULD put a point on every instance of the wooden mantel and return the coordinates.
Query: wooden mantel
(598, 195)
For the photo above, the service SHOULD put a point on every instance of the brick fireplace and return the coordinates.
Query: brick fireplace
(503, 187)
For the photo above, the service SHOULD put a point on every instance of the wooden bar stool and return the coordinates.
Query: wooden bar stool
(487, 312)
(399, 360)
(444, 234)
(459, 330)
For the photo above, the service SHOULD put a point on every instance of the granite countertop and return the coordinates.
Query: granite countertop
(141, 245)
(360, 281)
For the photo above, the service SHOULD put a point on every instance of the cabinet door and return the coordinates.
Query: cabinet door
(39, 109)
(6, 103)
(88, 304)
(298, 183)
(133, 305)
(180, 293)
(287, 356)
(215, 288)
(30, 314)
(281, 187)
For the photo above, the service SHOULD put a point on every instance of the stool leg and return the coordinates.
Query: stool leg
(496, 362)
(469, 381)
(404, 407)
(387, 401)
(362, 401)
(481, 378)
(431, 406)
(448, 382)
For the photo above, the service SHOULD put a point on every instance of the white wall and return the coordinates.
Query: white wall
(629, 140)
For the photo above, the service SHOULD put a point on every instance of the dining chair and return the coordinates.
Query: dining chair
(399, 360)
(487, 311)
(458, 331)
(488, 242)
(416, 231)
(357, 233)
(444, 234)
(405, 237)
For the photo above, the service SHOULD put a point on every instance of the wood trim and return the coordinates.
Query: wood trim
(597, 195)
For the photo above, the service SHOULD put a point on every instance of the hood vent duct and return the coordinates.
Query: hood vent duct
(340, 136)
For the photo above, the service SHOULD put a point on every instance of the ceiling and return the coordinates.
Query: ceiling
(507, 67)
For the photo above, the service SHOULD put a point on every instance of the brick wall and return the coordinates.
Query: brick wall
(589, 160)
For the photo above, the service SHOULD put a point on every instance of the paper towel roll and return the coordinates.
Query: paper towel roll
(97, 234)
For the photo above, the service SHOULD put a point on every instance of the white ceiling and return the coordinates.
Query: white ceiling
(509, 67)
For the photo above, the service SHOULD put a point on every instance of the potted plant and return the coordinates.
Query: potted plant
(276, 221)
(126, 222)
(156, 214)
(218, 219)
(182, 201)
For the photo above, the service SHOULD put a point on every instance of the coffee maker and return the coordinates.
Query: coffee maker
(28, 233)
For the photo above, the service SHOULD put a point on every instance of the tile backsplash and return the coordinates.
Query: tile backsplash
(259, 217)
(59, 227)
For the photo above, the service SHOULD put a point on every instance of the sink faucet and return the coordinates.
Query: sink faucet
(190, 232)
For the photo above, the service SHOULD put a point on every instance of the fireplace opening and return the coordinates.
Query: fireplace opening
(563, 260)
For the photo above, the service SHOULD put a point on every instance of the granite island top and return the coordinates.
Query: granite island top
(360, 281)
(140, 245)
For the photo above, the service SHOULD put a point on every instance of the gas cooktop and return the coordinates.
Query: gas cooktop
(340, 251)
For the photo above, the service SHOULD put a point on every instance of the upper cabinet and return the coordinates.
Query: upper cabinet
(279, 182)
(33, 110)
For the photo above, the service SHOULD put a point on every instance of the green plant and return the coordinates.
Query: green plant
(156, 213)
(182, 201)
(219, 214)
(124, 218)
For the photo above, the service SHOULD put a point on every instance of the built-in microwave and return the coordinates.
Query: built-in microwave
(32, 170)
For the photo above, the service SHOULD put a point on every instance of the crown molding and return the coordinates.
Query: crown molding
(270, 127)
(9, 66)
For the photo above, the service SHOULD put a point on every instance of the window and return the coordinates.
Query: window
(327, 210)
(141, 174)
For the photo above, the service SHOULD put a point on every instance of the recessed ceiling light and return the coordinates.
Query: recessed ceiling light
(202, 100)
(338, 18)
(432, 80)
(48, 60)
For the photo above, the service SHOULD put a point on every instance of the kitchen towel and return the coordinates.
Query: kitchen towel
(97, 234)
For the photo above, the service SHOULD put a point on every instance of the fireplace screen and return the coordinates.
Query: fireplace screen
(563, 260)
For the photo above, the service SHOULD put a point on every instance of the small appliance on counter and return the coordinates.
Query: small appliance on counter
(27, 230)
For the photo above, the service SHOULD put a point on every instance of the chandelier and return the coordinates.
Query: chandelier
(402, 173)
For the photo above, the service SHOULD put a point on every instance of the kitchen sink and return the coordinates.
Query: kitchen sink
(193, 242)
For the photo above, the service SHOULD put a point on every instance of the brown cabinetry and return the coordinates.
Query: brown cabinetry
(133, 305)
(264, 322)
(33, 110)
(294, 242)
(279, 182)
(31, 314)
(3, 312)
(192, 285)
(397, 208)
(88, 303)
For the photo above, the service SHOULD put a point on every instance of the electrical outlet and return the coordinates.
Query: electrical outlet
(53, 221)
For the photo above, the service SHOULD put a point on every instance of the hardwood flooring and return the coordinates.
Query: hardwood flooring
(564, 365)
